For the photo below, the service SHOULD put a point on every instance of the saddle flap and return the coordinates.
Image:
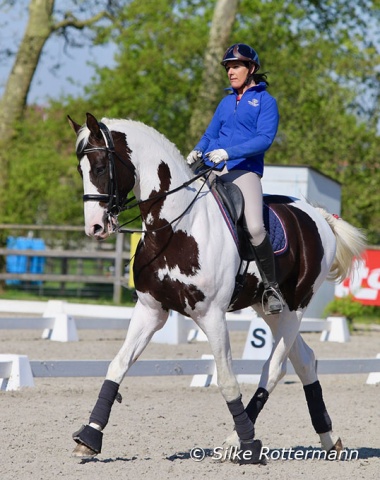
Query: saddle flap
(232, 198)
(232, 202)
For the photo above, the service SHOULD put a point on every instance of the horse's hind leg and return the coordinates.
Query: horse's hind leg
(144, 323)
(303, 360)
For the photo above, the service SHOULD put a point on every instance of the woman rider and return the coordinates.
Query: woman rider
(242, 129)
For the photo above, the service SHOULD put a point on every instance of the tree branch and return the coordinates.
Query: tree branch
(71, 21)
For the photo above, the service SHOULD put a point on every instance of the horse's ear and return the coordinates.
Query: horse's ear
(93, 126)
(75, 126)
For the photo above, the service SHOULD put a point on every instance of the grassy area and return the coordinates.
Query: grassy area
(102, 297)
(354, 311)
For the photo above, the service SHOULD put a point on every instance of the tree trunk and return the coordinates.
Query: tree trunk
(13, 101)
(210, 92)
(16, 91)
(39, 28)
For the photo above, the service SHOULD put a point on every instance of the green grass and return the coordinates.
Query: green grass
(353, 310)
(70, 295)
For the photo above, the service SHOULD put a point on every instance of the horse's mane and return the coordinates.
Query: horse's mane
(156, 136)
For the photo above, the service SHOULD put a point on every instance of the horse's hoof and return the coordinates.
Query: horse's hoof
(337, 447)
(81, 451)
(89, 438)
(241, 453)
(250, 453)
(335, 451)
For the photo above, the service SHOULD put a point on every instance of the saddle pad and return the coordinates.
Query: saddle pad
(276, 230)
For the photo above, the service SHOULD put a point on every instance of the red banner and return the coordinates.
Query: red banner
(364, 285)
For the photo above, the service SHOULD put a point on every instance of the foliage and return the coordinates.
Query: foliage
(45, 185)
(159, 64)
(322, 59)
(351, 309)
(321, 73)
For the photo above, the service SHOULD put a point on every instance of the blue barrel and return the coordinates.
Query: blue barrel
(16, 263)
(37, 264)
(20, 263)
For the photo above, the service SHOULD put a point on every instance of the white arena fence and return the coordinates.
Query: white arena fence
(57, 323)
(60, 321)
(16, 371)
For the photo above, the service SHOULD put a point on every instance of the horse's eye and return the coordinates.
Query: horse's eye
(99, 171)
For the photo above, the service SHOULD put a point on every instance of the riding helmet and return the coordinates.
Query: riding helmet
(242, 52)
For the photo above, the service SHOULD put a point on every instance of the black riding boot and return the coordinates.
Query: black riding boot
(272, 300)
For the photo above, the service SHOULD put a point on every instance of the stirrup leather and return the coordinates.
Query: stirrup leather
(271, 295)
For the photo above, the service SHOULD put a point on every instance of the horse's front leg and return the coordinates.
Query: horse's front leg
(215, 328)
(284, 328)
(144, 323)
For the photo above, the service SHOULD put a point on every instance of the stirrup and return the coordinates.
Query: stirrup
(272, 301)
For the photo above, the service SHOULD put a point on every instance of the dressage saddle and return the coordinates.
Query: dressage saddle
(233, 201)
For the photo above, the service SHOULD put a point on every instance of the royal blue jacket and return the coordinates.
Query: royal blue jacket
(245, 130)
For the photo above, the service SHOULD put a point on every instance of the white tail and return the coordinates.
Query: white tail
(350, 244)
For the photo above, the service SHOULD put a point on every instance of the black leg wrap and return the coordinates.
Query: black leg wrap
(319, 417)
(90, 437)
(256, 404)
(243, 425)
(102, 409)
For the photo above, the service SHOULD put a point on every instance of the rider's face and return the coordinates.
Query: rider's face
(237, 74)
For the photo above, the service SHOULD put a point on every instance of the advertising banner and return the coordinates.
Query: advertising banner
(364, 285)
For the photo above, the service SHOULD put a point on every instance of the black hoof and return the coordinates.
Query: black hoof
(90, 437)
(250, 453)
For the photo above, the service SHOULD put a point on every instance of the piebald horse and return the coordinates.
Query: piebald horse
(188, 260)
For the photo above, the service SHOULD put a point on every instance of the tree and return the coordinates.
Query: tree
(43, 21)
(159, 65)
(212, 76)
(45, 187)
(321, 64)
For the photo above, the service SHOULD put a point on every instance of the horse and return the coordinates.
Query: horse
(188, 260)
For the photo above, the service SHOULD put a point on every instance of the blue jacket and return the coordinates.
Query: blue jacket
(245, 131)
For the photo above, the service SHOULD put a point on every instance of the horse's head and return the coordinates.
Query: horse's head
(107, 172)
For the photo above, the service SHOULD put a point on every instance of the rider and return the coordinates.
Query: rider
(243, 127)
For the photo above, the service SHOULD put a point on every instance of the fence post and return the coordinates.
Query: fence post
(119, 267)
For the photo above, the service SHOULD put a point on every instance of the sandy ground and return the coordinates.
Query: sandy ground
(161, 419)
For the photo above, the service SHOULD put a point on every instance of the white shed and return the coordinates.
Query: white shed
(307, 184)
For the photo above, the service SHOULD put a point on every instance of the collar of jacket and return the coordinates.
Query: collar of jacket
(258, 88)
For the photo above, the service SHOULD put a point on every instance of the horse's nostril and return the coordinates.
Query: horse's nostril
(97, 229)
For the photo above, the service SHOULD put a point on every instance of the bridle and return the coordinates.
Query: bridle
(115, 203)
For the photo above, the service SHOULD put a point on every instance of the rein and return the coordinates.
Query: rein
(115, 204)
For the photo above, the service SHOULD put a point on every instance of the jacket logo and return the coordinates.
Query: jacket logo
(254, 102)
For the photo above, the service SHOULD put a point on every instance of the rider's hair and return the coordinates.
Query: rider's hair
(258, 77)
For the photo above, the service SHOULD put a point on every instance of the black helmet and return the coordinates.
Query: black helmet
(242, 52)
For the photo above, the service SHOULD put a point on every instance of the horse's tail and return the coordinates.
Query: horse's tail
(350, 244)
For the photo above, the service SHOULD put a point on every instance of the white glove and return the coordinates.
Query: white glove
(217, 156)
(193, 156)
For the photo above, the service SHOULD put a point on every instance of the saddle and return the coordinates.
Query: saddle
(231, 202)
